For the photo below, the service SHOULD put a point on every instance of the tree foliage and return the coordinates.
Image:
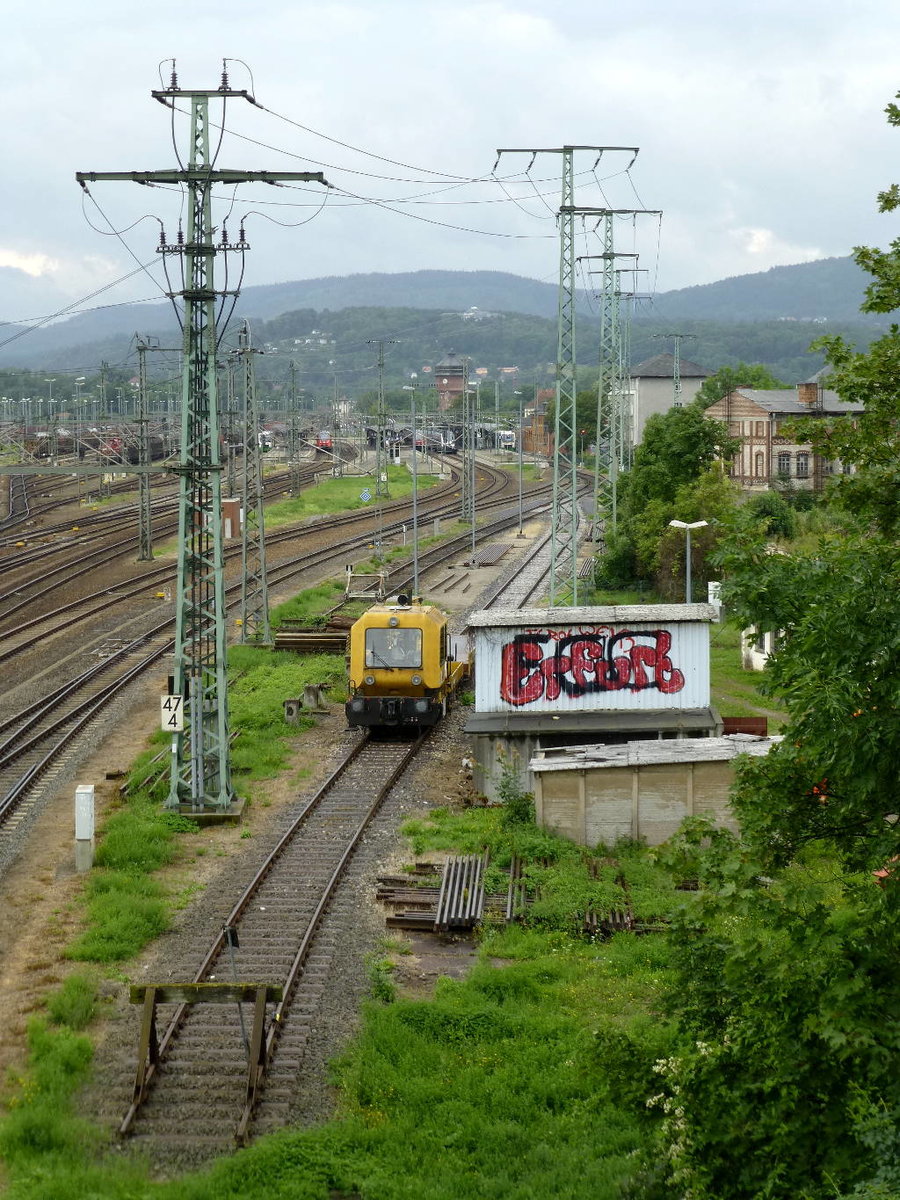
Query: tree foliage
(675, 476)
(787, 983)
(726, 379)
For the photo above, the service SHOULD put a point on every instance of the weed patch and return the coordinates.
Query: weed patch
(74, 1003)
(125, 911)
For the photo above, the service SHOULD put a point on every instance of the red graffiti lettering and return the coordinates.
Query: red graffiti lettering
(544, 664)
(520, 682)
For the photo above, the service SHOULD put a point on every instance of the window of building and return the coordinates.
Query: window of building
(760, 429)
(803, 466)
(760, 465)
(784, 464)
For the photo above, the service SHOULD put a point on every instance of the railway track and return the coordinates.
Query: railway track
(198, 1093)
(19, 635)
(37, 738)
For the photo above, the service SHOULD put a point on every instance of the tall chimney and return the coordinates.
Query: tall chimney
(808, 394)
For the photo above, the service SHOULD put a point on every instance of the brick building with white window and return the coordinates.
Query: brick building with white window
(767, 455)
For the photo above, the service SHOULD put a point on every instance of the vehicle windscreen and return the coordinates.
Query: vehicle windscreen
(393, 647)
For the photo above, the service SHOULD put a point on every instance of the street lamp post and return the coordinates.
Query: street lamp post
(52, 428)
(687, 527)
(520, 440)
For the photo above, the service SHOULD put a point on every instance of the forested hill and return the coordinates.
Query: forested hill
(499, 318)
(453, 291)
(831, 289)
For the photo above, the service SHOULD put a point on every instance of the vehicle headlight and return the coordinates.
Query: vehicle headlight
(416, 680)
(357, 704)
(422, 706)
(369, 679)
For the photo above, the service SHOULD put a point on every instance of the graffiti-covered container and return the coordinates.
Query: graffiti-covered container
(600, 659)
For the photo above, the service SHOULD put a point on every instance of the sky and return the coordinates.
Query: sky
(760, 128)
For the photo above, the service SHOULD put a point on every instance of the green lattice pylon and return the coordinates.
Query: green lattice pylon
(564, 529)
(254, 588)
(200, 765)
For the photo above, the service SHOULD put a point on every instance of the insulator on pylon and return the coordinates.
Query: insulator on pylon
(173, 82)
(224, 238)
(180, 238)
(162, 237)
(224, 84)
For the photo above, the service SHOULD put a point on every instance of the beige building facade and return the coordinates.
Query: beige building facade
(767, 454)
(652, 388)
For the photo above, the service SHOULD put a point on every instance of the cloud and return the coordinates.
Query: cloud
(767, 249)
(35, 265)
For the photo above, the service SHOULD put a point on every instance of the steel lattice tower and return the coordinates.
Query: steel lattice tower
(200, 764)
(467, 458)
(145, 538)
(254, 589)
(564, 531)
(564, 536)
(676, 363)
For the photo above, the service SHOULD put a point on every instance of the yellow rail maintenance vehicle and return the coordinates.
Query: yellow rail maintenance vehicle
(401, 665)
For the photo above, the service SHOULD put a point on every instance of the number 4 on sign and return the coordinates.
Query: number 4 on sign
(172, 713)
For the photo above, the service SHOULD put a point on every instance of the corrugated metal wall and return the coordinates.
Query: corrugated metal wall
(592, 668)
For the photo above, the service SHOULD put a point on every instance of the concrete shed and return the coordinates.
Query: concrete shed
(641, 789)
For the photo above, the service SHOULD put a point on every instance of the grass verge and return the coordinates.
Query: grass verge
(343, 494)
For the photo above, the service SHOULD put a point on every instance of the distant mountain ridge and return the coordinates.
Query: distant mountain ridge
(828, 291)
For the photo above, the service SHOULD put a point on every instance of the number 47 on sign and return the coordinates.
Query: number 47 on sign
(172, 713)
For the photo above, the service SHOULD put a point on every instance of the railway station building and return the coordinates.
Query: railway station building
(768, 455)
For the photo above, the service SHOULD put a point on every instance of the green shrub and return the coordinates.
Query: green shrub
(381, 980)
(125, 912)
(74, 1004)
(779, 517)
(518, 805)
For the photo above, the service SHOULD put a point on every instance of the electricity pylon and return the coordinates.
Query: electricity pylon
(254, 588)
(564, 530)
(200, 762)
(145, 538)
(381, 484)
(676, 363)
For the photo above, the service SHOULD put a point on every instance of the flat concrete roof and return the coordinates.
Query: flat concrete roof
(638, 721)
(601, 614)
(651, 753)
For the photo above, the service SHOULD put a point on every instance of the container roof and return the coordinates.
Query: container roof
(600, 614)
(658, 752)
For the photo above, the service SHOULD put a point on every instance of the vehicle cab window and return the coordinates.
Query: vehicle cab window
(392, 648)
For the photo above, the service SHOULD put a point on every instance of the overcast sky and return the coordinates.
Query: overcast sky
(760, 125)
